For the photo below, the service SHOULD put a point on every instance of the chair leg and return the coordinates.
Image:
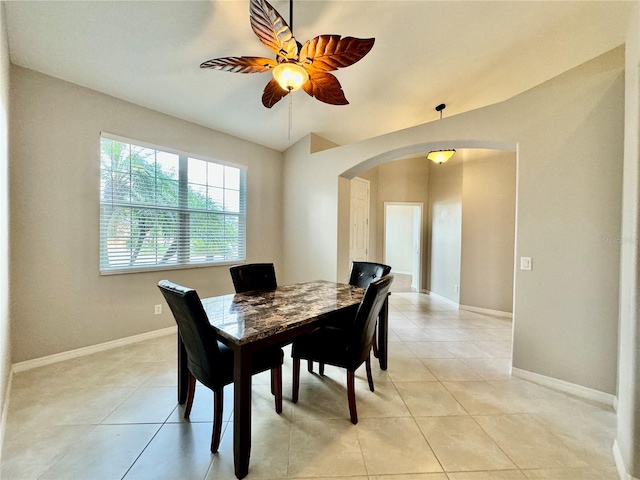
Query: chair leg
(321, 369)
(367, 363)
(218, 400)
(310, 366)
(296, 380)
(375, 341)
(273, 381)
(351, 394)
(191, 390)
(276, 373)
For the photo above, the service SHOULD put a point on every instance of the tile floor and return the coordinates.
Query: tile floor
(446, 409)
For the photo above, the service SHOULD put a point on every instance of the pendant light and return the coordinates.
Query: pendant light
(440, 156)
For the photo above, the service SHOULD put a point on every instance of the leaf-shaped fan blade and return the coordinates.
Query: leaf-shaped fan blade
(326, 88)
(272, 30)
(273, 92)
(240, 64)
(330, 52)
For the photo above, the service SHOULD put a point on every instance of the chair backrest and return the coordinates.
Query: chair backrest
(253, 276)
(361, 334)
(363, 273)
(197, 335)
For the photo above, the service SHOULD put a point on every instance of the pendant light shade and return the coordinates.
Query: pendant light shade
(440, 156)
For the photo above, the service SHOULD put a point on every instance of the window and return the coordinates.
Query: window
(162, 209)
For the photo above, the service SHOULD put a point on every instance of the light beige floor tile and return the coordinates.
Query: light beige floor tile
(490, 368)
(428, 399)
(528, 442)
(465, 350)
(450, 370)
(392, 446)
(484, 398)
(398, 349)
(29, 455)
(411, 334)
(461, 445)
(410, 476)
(496, 348)
(383, 402)
(409, 370)
(446, 334)
(269, 451)
(573, 474)
(325, 447)
(87, 458)
(324, 399)
(429, 349)
(179, 450)
(145, 405)
(495, 475)
(424, 320)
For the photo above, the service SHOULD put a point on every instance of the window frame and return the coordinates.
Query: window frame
(183, 193)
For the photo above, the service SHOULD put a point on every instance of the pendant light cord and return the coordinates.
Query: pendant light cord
(291, 16)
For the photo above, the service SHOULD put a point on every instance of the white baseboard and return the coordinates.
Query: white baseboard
(487, 311)
(81, 352)
(567, 387)
(5, 411)
(617, 456)
(444, 299)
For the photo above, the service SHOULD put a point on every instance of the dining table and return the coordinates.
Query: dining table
(246, 322)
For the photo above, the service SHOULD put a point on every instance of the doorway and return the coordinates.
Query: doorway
(402, 243)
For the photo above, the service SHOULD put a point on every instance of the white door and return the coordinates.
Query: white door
(402, 240)
(359, 217)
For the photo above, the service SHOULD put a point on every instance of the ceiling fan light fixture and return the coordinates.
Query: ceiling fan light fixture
(290, 76)
(440, 156)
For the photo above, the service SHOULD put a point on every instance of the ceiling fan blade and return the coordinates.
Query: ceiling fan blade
(326, 88)
(272, 30)
(273, 93)
(240, 64)
(330, 52)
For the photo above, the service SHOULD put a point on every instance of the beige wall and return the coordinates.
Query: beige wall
(565, 317)
(445, 228)
(403, 181)
(5, 339)
(59, 301)
(627, 445)
(488, 229)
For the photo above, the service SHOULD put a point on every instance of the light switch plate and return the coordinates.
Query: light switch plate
(525, 263)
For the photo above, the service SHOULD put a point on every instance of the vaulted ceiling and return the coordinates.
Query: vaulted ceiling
(466, 54)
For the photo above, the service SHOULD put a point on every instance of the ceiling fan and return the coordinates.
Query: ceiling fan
(296, 66)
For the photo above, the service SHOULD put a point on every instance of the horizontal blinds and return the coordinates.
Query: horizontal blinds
(160, 209)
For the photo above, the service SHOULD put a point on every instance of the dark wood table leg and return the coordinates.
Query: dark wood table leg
(242, 411)
(183, 372)
(383, 334)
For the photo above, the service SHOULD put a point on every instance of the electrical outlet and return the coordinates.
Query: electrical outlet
(158, 309)
(456, 288)
(525, 263)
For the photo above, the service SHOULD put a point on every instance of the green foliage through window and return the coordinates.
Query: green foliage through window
(161, 209)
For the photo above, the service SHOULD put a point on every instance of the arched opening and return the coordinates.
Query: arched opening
(468, 221)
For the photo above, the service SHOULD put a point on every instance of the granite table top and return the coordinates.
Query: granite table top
(247, 317)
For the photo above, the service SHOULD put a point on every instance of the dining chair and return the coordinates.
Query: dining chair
(253, 276)
(361, 275)
(347, 346)
(208, 360)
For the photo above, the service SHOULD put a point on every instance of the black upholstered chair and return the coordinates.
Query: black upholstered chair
(209, 361)
(347, 346)
(253, 276)
(361, 275)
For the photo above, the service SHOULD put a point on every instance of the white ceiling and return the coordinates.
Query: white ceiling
(466, 54)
